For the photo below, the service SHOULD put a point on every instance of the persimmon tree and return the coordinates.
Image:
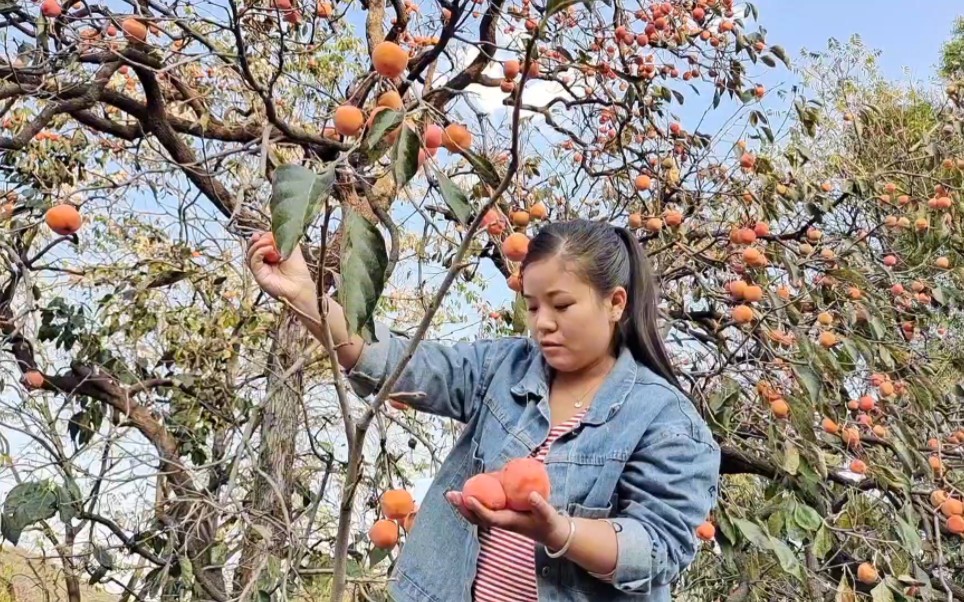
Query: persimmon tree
(808, 249)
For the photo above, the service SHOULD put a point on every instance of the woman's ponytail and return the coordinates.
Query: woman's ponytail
(639, 327)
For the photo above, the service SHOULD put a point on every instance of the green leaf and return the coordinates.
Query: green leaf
(882, 593)
(70, 500)
(788, 560)
(781, 54)
(728, 393)
(520, 314)
(877, 328)
(767, 60)
(364, 261)
(753, 533)
(26, 504)
(909, 536)
(807, 518)
(377, 555)
(810, 380)
(822, 542)
(103, 557)
(384, 122)
(939, 296)
(483, 168)
(296, 196)
(454, 197)
(791, 457)
(406, 156)
(555, 6)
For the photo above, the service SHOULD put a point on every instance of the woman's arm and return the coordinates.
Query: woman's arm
(439, 379)
(348, 347)
(667, 489)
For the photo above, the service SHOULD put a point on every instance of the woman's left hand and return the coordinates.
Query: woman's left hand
(542, 524)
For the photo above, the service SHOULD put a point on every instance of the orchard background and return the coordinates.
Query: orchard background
(168, 432)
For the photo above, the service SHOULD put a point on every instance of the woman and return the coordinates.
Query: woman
(633, 467)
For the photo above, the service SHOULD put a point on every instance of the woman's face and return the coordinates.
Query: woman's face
(569, 319)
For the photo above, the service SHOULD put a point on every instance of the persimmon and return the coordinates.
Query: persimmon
(635, 221)
(273, 256)
(520, 219)
(456, 137)
(673, 218)
(753, 293)
(487, 489)
(324, 10)
(780, 408)
(433, 136)
(539, 210)
(33, 379)
(514, 282)
(384, 534)
(827, 339)
(942, 263)
(51, 9)
(516, 246)
(829, 426)
(858, 467)
(706, 531)
(511, 69)
(63, 219)
(397, 504)
(850, 437)
(389, 59)
(349, 120)
(520, 478)
(952, 507)
(866, 573)
(825, 318)
(643, 182)
(134, 30)
(737, 288)
(390, 99)
(653, 224)
(742, 314)
(955, 524)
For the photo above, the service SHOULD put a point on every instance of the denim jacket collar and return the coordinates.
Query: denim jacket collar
(612, 394)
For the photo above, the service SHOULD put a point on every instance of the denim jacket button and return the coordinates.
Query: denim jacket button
(545, 571)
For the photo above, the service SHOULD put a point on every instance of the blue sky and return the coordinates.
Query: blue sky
(909, 34)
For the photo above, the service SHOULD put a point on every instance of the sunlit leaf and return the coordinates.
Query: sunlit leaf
(296, 197)
(364, 261)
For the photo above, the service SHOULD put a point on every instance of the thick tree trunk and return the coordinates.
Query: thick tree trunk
(271, 492)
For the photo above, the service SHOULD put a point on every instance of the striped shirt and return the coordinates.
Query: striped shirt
(507, 560)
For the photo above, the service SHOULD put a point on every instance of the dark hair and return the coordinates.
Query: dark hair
(608, 257)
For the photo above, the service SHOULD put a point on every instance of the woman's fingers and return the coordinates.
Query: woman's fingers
(258, 248)
(455, 498)
(541, 508)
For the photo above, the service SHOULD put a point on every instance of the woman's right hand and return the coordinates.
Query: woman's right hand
(289, 279)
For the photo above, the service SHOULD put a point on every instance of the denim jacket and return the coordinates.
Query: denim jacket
(642, 458)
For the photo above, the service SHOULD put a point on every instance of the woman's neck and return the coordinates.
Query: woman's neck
(594, 372)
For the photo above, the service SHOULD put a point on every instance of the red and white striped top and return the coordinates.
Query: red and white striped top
(507, 560)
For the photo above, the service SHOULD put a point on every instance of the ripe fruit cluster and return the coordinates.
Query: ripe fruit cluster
(510, 487)
(399, 510)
